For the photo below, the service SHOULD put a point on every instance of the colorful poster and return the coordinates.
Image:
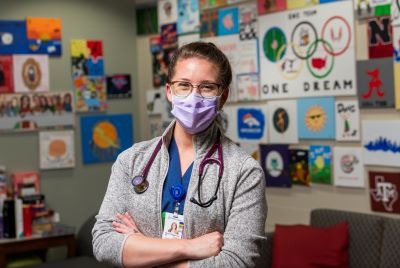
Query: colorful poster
(90, 94)
(283, 122)
(13, 37)
(6, 74)
(320, 158)
(146, 21)
(248, 87)
(316, 118)
(167, 12)
(104, 137)
(252, 123)
(44, 35)
(228, 21)
(169, 37)
(36, 111)
(384, 191)
(296, 4)
(274, 160)
(155, 101)
(298, 166)
(380, 37)
(375, 82)
(248, 21)
(31, 73)
(119, 86)
(381, 142)
(188, 38)
(209, 23)
(269, 6)
(188, 16)
(347, 120)
(57, 149)
(308, 53)
(161, 61)
(348, 165)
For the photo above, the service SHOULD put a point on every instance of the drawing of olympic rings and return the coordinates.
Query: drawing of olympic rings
(332, 52)
(319, 63)
(283, 63)
(314, 31)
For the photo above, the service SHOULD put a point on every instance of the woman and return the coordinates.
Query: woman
(223, 216)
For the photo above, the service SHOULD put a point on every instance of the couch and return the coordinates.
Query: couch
(374, 240)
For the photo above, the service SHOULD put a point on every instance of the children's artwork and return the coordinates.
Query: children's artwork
(36, 111)
(252, 123)
(25, 183)
(381, 142)
(375, 82)
(248, 21)
(31, 73)
(6, 74)
(167, 12)
(105, 136)
(228, 21)
(274, 160)
(384, 191)
(298, 167)
(119, 86)
(155, 44)
(316, 118)
(44, 35)
(155, 101)
(269, 6)
(380, 37)
(347, 120)
(320, 158)
(188, 38)
(248, 87)
(161, 61)
(348, 165)
(146, 21)
(252, 149)
(296, 4)
(169, 37)
(308, 53)
(188, 16)
(57, 149)
(13, 37)
(90, 94)
(209, 23)
(283, 122)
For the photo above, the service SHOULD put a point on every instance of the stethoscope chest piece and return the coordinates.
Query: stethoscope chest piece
(140, 184)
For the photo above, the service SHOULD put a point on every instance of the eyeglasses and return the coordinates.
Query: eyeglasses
(206, 90)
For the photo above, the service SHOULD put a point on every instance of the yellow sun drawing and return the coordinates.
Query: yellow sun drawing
(315, 118)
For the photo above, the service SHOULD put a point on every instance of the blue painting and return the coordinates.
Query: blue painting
(316, 118)
(251, 124)
(104, 137)
(188, 16)
(228, 21)
(13, 37)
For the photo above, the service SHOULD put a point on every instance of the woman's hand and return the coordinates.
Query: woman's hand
(205, 246)
(127, 224)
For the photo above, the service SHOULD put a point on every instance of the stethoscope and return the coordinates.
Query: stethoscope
(141, 184)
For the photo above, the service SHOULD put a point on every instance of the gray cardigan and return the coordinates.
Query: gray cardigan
(239, 212)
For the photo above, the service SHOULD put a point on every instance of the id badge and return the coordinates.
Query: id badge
(173, 226)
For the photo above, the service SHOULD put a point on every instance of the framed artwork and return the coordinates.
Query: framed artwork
(31, 73)
(13, 37)
(298, 167)
(347, 120)
(119, 86)
(44, 35)
(6, 74)
(274, 160)
(348, 166)
(320, 164)
(282, 116)
(384, 191)
(57, 149)
(104, 137)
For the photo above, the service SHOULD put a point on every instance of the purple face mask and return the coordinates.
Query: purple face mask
(194, 112)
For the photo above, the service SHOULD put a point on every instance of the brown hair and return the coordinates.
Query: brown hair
(207, 51)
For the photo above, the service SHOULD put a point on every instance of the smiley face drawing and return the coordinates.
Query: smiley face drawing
(315, 118)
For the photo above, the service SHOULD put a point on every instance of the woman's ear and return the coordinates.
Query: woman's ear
(223, 98)
(168, 92)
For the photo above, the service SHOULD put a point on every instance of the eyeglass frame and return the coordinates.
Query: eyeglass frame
(196, 86)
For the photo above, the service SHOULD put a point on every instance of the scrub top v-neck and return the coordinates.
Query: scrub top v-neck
(174, 178)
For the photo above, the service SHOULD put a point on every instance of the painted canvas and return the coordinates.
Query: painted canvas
(316, 118)
(90, 94)
(283, 122)
(384, 191)
(188, 16)
(209, 23)
(57, 149)
(169, 37)
(161, 61)
(298, 167)
(27, 111)
(274, 160)
(6, 74)
(13, 37)
(31, 73)
(155, 101)
(167, 12)
(348, 166)
(104, 137)
(308, 53)
(380, 37)
(296, 4)
(228, 21)
(269, 6)
(44, 35)
(248, 21)
(347, 120)
(375, 82)
(119, 86)
(248, 87)
(381, 142)
(320, 164)
(252, 123)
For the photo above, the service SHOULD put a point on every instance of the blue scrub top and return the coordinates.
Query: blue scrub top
(174, 178)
